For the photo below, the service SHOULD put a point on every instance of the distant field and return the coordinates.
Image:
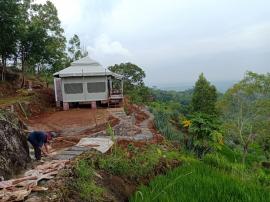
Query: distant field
(198, 182)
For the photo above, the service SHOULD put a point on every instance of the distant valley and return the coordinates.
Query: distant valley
(221, 86)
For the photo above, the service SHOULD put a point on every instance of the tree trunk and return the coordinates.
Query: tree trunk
(15, 61)
(2, 74)
(244, 154)
(23, 69)
(3, 68)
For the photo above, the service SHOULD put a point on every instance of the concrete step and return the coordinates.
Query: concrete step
(64, 157)
(70, 152)
(76, 148)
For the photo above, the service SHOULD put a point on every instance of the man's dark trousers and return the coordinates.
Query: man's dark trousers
(37, 150)
(37, 139)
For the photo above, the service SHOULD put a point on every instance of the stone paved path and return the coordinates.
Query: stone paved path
(144, 135)
(71, 153)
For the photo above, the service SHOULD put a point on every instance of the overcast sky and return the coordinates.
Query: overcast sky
(174, 40)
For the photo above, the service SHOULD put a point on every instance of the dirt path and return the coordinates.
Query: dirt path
(70, 122)
(124, 130)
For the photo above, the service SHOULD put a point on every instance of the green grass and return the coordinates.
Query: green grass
(218, 161)
(134, 162)
(235, 156)
(13, 100)
(197, 182)
(85, 184)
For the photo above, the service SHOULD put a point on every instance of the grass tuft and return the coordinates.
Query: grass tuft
(85, 183)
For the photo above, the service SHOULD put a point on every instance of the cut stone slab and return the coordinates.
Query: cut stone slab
(75, 148)
(64, 157)
(104, 144)
(70, 152)
(141, 137)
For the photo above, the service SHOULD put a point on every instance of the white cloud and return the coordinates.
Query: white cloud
(104, 45)
(69, 11)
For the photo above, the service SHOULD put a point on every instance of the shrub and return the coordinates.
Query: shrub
(24, 92)
(164, 126)
(263, 178)
(205, 133)
(235, 156)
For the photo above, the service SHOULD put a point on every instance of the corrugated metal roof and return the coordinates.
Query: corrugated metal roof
(85, 61)
(85, 67)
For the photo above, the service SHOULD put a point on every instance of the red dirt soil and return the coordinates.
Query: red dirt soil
(69, 122)
(72, 125)
(140, 116)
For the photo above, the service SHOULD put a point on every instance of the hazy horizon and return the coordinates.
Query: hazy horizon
(222, 86)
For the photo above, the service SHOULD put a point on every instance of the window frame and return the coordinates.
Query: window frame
(100, 82)
(73, 93)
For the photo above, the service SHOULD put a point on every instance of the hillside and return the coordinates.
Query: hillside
(152, 157)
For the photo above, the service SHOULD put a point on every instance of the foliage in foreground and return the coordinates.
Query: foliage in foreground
(199, 182)
(204, 134)
(84, 182)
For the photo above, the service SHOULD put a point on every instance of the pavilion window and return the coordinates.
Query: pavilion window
(96, 87)
(73, 88)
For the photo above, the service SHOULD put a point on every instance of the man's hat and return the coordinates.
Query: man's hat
(49, 135)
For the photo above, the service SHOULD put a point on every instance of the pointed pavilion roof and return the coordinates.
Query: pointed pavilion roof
(85, 67)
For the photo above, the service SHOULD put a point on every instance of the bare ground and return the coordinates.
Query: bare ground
(72, 125)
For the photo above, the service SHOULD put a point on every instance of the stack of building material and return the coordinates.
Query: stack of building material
(18, 189)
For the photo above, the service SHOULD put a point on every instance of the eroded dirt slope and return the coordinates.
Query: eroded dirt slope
(14, 153)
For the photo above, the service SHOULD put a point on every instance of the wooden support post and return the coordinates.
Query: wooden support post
(58, 103)
(93, 104)
(65, 106)
(111, 86)
(122, 87)
(30, 84)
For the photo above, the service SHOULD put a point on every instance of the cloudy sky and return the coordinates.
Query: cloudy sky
(174, 40)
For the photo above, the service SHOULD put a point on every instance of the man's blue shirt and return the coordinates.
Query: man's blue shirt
(37, 138)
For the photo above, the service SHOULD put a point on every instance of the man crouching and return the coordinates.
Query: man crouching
(40, 140)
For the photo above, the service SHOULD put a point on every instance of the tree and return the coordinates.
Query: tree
(24, 35)
(204, 97)
(205, 133)
(75, 49)
(54, 46)
(41, 40)
(246, 111)
(132, 74)
(140, 94)
(9, 12)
